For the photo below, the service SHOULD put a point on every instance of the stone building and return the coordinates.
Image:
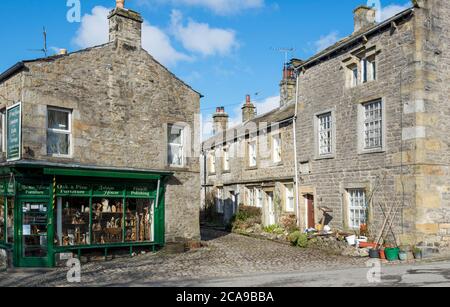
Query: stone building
(98, 144)
(253, 164)
(372, 126)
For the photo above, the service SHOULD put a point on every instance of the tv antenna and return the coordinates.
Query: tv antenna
(44, 49)
(286, 52)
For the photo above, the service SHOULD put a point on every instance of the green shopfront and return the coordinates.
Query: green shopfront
(46, 212)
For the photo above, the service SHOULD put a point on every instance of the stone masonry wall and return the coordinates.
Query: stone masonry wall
(323, 88)
(122, 101)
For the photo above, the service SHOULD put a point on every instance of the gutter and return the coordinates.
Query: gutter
(11, 71)
(356, 38)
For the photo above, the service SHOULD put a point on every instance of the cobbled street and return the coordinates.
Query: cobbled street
(226, 256)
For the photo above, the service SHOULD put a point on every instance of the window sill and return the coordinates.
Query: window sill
(60, 156)
(372, 151)
(325, 157)
(275, 164)
(251, 168)
(177, 168)
(226, 172)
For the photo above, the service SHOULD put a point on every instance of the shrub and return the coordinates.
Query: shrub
(289, 222)
(246, 217)
(299, 239)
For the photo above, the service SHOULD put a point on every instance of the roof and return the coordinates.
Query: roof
(351, 39)
(21, 65)
(277, 116)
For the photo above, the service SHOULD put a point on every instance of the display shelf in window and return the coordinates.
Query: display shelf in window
(73, 216)
(107, 220)
(139, 220)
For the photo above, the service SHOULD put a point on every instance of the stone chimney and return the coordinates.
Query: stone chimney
(248, 110)
(365, 17)
(287, 85)
(220, 119)
(125, 27)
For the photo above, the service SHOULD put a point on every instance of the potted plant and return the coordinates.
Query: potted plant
(417, 253)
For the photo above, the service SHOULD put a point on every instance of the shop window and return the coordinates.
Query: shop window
(2, 219)
(357, 208)
(10, 219)
(72, 221)
(58, 132)
(107, 219)
(176, 148)
(139, 220)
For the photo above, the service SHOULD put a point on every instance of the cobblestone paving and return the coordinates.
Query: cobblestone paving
(226, 255)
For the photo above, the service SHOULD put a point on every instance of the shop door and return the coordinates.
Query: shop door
(33, 233)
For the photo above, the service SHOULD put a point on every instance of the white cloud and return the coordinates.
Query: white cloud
(326, 41)
(220, 7)
(262, 107)
(94, 30)
(391, 10)
(201, 38)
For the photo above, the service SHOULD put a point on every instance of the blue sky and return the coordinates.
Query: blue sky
(223, 48)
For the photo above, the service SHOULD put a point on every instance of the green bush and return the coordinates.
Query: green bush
(245, 218)
(299, 239)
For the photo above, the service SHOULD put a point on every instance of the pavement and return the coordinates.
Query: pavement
(234, 260)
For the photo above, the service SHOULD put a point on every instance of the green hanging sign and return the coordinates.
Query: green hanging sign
(14, 132)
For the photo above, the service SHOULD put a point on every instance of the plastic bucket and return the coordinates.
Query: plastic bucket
(392, 254)
(351, 240)
(374, 253)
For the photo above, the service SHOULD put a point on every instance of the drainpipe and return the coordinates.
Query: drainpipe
(297, 196)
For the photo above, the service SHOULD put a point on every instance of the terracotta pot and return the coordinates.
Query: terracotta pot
(367, 245)
(120, 4)
(382, 254)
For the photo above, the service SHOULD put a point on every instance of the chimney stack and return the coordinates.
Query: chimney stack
(125, 27)
(248, 110)
(220, 120)
(287, 85)
(365, 17)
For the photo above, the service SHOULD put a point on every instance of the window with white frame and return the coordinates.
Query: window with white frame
(373, 125)
(357, 206)
(276, 148)
(176, 145)
(354, 75)
(220, 201)
(290, 198)
(252, 153)
(3, 130)
(59, 132)
(259, 197)
(226, 159)
(250, 197)
(212, 162)
(368, 69)
(325, 133)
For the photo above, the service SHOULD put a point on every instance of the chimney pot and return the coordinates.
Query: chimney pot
(120, 4)
(62, 51)
(247, 99)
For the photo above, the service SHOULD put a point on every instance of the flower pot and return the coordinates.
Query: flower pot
(351, 240)
(374, 253)
(382, 254)
(367, 245)
(403, 256)
(392, 254)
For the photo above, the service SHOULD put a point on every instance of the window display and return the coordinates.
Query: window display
(72, 216)
(139, 220)
(107, 216)
(2, 219)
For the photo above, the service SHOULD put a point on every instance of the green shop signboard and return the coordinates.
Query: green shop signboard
(8, 188)
(14, 132)
(108, 191)
(73, 190)
(34, 190)
(138, 192)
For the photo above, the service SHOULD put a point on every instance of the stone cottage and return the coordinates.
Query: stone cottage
(253, 164)
(372, 127)
(97, 151)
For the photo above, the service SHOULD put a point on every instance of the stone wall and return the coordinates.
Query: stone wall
(323, 87)
(121, 101)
